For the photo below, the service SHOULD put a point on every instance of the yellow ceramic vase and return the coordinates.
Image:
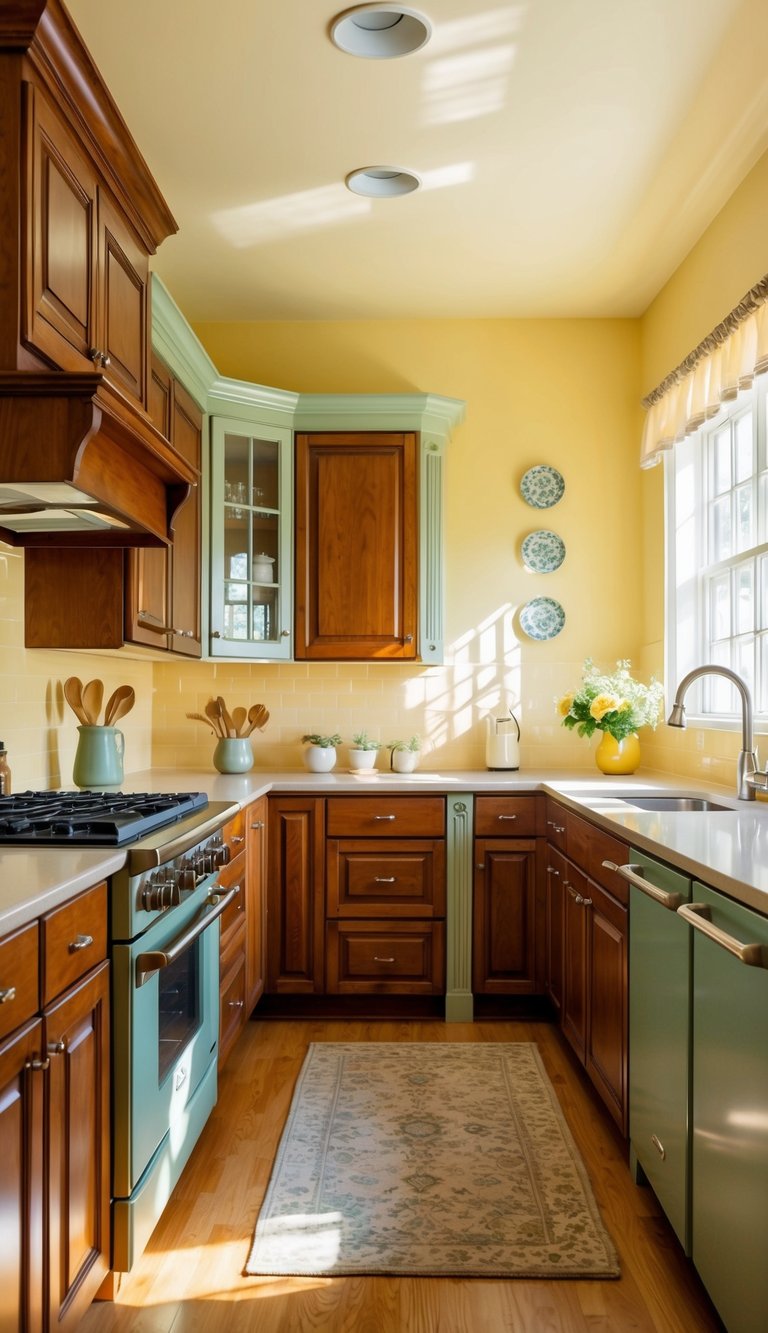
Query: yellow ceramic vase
(612, 756)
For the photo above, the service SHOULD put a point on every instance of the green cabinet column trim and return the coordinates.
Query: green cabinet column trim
(458, 998)
(176, 344)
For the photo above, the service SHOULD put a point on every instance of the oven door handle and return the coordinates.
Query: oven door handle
(149, 963)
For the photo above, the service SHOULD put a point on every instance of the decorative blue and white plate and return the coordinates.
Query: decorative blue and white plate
(543, 551)
(542, 486)
(542, 618)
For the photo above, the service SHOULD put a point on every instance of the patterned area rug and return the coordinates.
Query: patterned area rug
(437, 1159)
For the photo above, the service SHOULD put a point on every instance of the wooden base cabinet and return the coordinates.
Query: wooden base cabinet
(242, 940)
(504, 926)
(54, 1117)
(296, 895)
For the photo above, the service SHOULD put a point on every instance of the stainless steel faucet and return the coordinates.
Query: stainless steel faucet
(748, 775)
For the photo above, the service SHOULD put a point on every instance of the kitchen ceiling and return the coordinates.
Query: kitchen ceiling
(571, 151)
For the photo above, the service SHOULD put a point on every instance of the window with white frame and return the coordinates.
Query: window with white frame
(717, 557)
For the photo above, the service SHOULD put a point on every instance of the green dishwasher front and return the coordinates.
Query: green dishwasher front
(659, 1037)
(730, 1112)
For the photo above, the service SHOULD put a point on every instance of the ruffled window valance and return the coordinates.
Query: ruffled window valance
(726, 361)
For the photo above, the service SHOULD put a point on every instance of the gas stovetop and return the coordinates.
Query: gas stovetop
(87, 818)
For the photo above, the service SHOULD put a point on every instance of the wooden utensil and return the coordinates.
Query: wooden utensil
(126, 700)
(200, 717)
(257, 717)
(214, 717)
(229, 727)
(93, 693)
(73, 693)
(238, 720)
(116, 697)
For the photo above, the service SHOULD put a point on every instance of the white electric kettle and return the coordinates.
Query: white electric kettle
(502, 742)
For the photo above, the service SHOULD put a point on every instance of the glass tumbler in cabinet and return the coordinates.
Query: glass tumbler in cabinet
(250, 541)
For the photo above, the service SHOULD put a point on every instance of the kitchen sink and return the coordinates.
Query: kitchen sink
(677, 804)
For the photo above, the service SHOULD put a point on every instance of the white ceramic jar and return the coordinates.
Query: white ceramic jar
(263, 568)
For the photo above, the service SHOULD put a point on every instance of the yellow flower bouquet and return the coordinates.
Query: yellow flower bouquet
(615, 703)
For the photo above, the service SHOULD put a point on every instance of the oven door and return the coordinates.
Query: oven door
(165, 1035)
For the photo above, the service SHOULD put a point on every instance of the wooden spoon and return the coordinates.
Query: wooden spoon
(124, 704)
(73, 693)
(214, 717)
(238, 720)
(93, 693)
(123, 692)
(257, 717)
(229, 728)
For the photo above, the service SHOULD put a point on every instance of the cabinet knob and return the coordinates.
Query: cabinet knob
(285, 633)
(57, 1047)
(80, 942)
(8, 994)
(480, 865)
(37, 1065)
(407, 638)
(215, 634)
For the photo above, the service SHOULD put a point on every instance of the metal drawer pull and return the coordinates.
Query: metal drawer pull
(37, 1065)
(506, 816)
(559, 828)
(237, 838)
(659, 1146)
(698, 916)
(8, 994)
(634, 875)
(385, 879)
(147, 963)
(385, 816)
(236, 1004)
(259, 824)
(552, 871)
(577, 897)
(57, 1047)
(376, 959)
(81, 942)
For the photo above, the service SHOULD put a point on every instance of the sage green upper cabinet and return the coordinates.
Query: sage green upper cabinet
(251, 537)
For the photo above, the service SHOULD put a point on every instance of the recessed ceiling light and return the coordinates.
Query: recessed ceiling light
(380, 31)
(382, 182)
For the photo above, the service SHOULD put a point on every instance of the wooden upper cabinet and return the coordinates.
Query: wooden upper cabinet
(356, 545)
(86, 301)
(162, 603)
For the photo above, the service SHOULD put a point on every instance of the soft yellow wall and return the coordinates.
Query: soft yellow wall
(551, 391)
(730, 257)
(37, 726)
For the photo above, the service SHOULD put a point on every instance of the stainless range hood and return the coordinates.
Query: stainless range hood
(79, 463)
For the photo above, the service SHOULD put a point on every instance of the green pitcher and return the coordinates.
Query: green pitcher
(99, 757)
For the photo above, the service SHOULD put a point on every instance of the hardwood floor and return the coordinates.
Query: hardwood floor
(190, 1276)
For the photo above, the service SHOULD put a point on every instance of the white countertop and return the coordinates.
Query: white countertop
(728, 850)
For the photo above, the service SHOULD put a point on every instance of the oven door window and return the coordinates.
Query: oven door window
(178, 1014)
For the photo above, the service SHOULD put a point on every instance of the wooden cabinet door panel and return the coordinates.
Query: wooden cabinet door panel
(606, 1050)
(186, 554)
(388, 879)
(59, 317)
(575, 943)
(21, 1181)
(77, 1038)
(122, 326)
(555, 875)
(255, 917)
(504, 917)
(295, 895)
(356, 546)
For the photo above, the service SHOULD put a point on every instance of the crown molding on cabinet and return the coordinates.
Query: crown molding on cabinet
(379, 411)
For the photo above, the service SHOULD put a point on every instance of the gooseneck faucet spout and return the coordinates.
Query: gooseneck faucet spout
(747, 765)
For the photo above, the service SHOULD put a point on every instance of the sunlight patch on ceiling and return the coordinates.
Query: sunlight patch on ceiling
(457, 173)
(480, 29)
(463, 87)
(255, 224)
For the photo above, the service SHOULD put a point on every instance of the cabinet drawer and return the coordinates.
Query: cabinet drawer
(233, 876)
(231, 1009)
(385, 957)
(19, 978)
(233, 833)
(391, 879)
(554, 818)
(385, 817)
(589, 846)
(74, 939)
(507, 816)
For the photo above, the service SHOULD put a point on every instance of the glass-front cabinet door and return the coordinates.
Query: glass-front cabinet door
(251, 518)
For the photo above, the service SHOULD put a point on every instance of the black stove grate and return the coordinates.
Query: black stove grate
(87, 818)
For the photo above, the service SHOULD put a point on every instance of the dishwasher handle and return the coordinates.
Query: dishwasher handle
(698, 916)
(149, 963)
(632, 873)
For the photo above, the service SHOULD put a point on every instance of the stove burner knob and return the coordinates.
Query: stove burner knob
(186, 880)
(221, 856)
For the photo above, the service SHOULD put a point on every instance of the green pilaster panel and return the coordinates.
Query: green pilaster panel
(458, 999)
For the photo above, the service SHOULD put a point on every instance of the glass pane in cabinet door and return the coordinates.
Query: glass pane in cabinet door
(264, 615)
(265, 475)
(236, 476)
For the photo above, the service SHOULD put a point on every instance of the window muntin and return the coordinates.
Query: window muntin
(717, 545)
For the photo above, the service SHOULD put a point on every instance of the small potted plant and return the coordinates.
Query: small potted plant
(320, 754)
(362, 751)
(404, 755)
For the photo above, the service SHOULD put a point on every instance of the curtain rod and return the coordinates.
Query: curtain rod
(755, 297)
